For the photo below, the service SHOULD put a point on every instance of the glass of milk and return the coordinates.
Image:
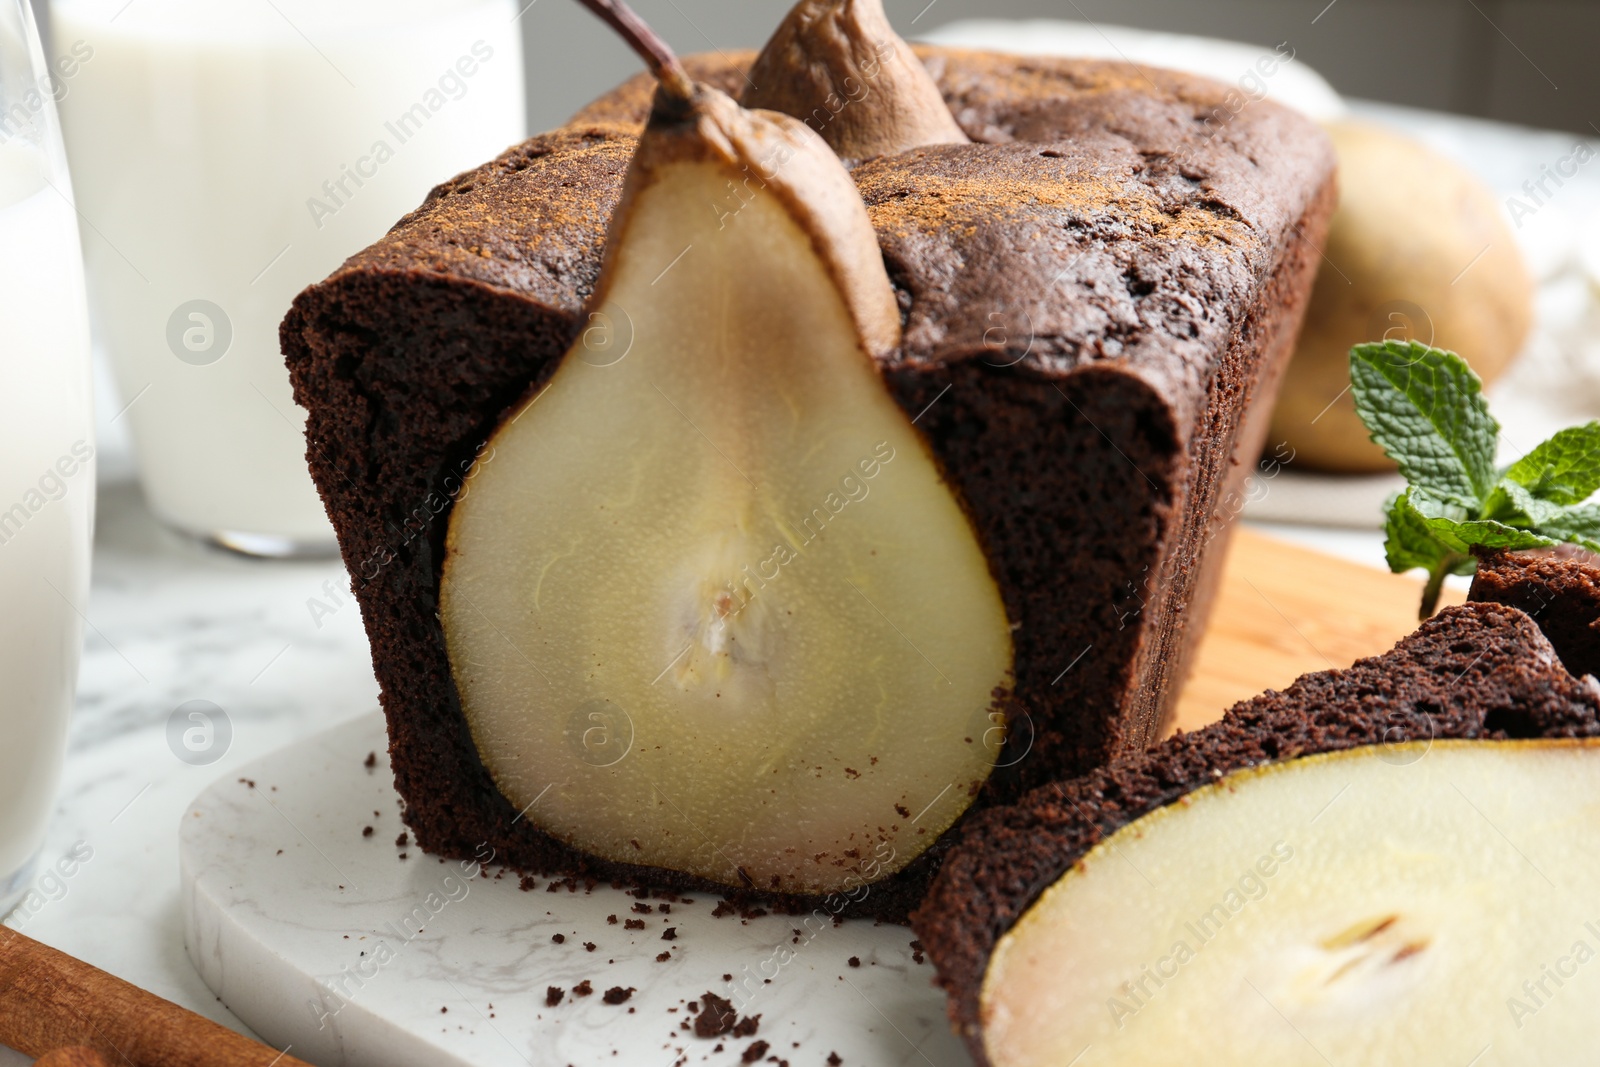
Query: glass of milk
(228, 153)
(46, 448)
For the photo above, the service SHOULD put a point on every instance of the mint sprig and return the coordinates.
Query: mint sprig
(1425, 408)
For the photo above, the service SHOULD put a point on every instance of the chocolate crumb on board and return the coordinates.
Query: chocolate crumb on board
(611, 920)
(670, 934)
(588, 946)
(403, 840)
(553, 995)
(583, 988)
(559, 939)
(854, 961)
(371, 761)
(834, 1060)
(527, 884)
(754, 1052)
(366, 831)
(916, 952)
(716, 1018)
(663, 957)
(747, 1026)
(617, 994)
(633, 924)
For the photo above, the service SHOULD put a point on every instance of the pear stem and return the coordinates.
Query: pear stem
(655, 52)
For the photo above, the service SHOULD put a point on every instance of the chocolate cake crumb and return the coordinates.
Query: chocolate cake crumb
(643, 909)
(1561, 595)
(663, 957)
(716, 1018)
(588, 946)
(371, 761)
(834, 1060)
(403, 840)
(754, 1052)
(366, 831)
(583, 988)
(553, 995)
(916, 952)
(747, 1026)
(633, 924)
(617, 994)
(526, 883)
(612, 920)
(670, 934)
(854, 961)
(559, 939)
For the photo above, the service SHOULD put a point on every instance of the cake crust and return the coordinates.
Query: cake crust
(1103, 285)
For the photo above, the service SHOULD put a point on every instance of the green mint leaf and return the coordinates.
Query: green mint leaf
(1408, 543)
(1460, 534)
(1580, 525)
(1413, 541)
(1485, 533)
(1425, 408)
(1516, 506)
(1563, 470)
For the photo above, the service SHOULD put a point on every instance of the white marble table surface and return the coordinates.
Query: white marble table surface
(171, 622)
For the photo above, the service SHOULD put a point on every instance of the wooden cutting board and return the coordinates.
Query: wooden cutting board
(1284, 611)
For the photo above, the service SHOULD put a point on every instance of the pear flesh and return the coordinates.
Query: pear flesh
(709, 605)
(1384, 905)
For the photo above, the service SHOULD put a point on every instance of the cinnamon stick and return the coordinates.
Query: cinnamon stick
(74, 1056)
(51, 1001)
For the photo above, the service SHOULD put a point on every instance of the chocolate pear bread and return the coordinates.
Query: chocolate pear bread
(1477, 671)
(1096, 299)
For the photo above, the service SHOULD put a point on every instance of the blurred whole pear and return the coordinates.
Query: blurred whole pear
(1418, 250)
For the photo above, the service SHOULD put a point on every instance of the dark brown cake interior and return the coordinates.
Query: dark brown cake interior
(1090, 316)
(1561, 595)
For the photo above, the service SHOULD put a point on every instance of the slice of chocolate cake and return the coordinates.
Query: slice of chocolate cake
(1561, 594)
(1097, 300)
(1478, 671)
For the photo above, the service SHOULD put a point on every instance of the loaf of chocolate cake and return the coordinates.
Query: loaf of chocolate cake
(1481, 670)
(1098, 296)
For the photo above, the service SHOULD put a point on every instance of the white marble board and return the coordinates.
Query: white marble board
(306, 929)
